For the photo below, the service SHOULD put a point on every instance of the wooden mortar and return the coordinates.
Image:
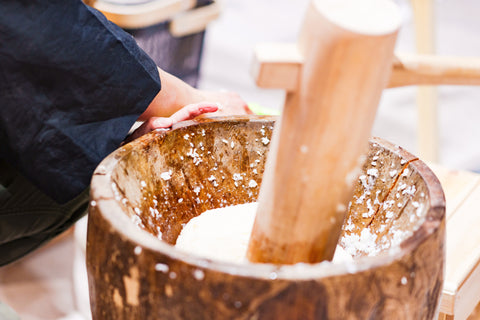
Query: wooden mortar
(143, 193)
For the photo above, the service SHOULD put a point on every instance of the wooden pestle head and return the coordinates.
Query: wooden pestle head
(347, 48)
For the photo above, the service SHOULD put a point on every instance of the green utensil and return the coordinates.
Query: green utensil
(261, 110)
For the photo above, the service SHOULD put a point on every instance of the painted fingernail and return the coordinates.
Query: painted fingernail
(209, 108)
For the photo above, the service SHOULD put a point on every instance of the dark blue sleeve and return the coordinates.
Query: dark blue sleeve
(71, 86)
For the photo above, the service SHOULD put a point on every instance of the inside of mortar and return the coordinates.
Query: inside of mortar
(211, 164)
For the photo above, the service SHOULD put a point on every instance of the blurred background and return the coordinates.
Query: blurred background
(228, 53)
(51, 283)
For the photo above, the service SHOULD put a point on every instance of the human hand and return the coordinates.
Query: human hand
(229, 103)
(188, 112)
(176, 94)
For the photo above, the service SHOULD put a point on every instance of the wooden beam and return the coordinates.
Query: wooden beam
(462, 274)
(415, 69)
(277, 66)
(457, 185)
(427, 96)
(142, 15)
(194, 20)
(461, 292)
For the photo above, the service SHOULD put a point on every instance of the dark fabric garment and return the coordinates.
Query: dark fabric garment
(28, 217)
(71, 86)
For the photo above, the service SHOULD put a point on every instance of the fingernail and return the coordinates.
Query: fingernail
(211, 108)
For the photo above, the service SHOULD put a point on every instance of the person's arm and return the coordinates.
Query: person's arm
(71, 86)
(176, 94)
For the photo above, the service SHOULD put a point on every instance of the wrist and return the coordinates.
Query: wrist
(174, 95)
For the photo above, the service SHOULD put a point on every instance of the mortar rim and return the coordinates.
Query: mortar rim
(110, 210)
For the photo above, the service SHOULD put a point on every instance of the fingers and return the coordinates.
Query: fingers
(193, 110)
(149, 125)
(161, 123)
(186, 113)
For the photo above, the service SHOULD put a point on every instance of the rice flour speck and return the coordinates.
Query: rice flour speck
(137, 250)
(162, 267)
(167, 175)
(198, 274)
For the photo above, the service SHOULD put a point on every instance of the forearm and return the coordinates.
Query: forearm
(174, 95)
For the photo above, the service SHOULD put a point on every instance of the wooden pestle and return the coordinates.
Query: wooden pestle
(318, 145)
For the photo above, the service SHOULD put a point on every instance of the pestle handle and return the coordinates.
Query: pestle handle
(418, 69)
(278, 66)
(317, 145)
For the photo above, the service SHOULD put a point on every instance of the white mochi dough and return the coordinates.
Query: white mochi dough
(223, 234)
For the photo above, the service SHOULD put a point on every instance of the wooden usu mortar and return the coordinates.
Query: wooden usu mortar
(144, 193)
